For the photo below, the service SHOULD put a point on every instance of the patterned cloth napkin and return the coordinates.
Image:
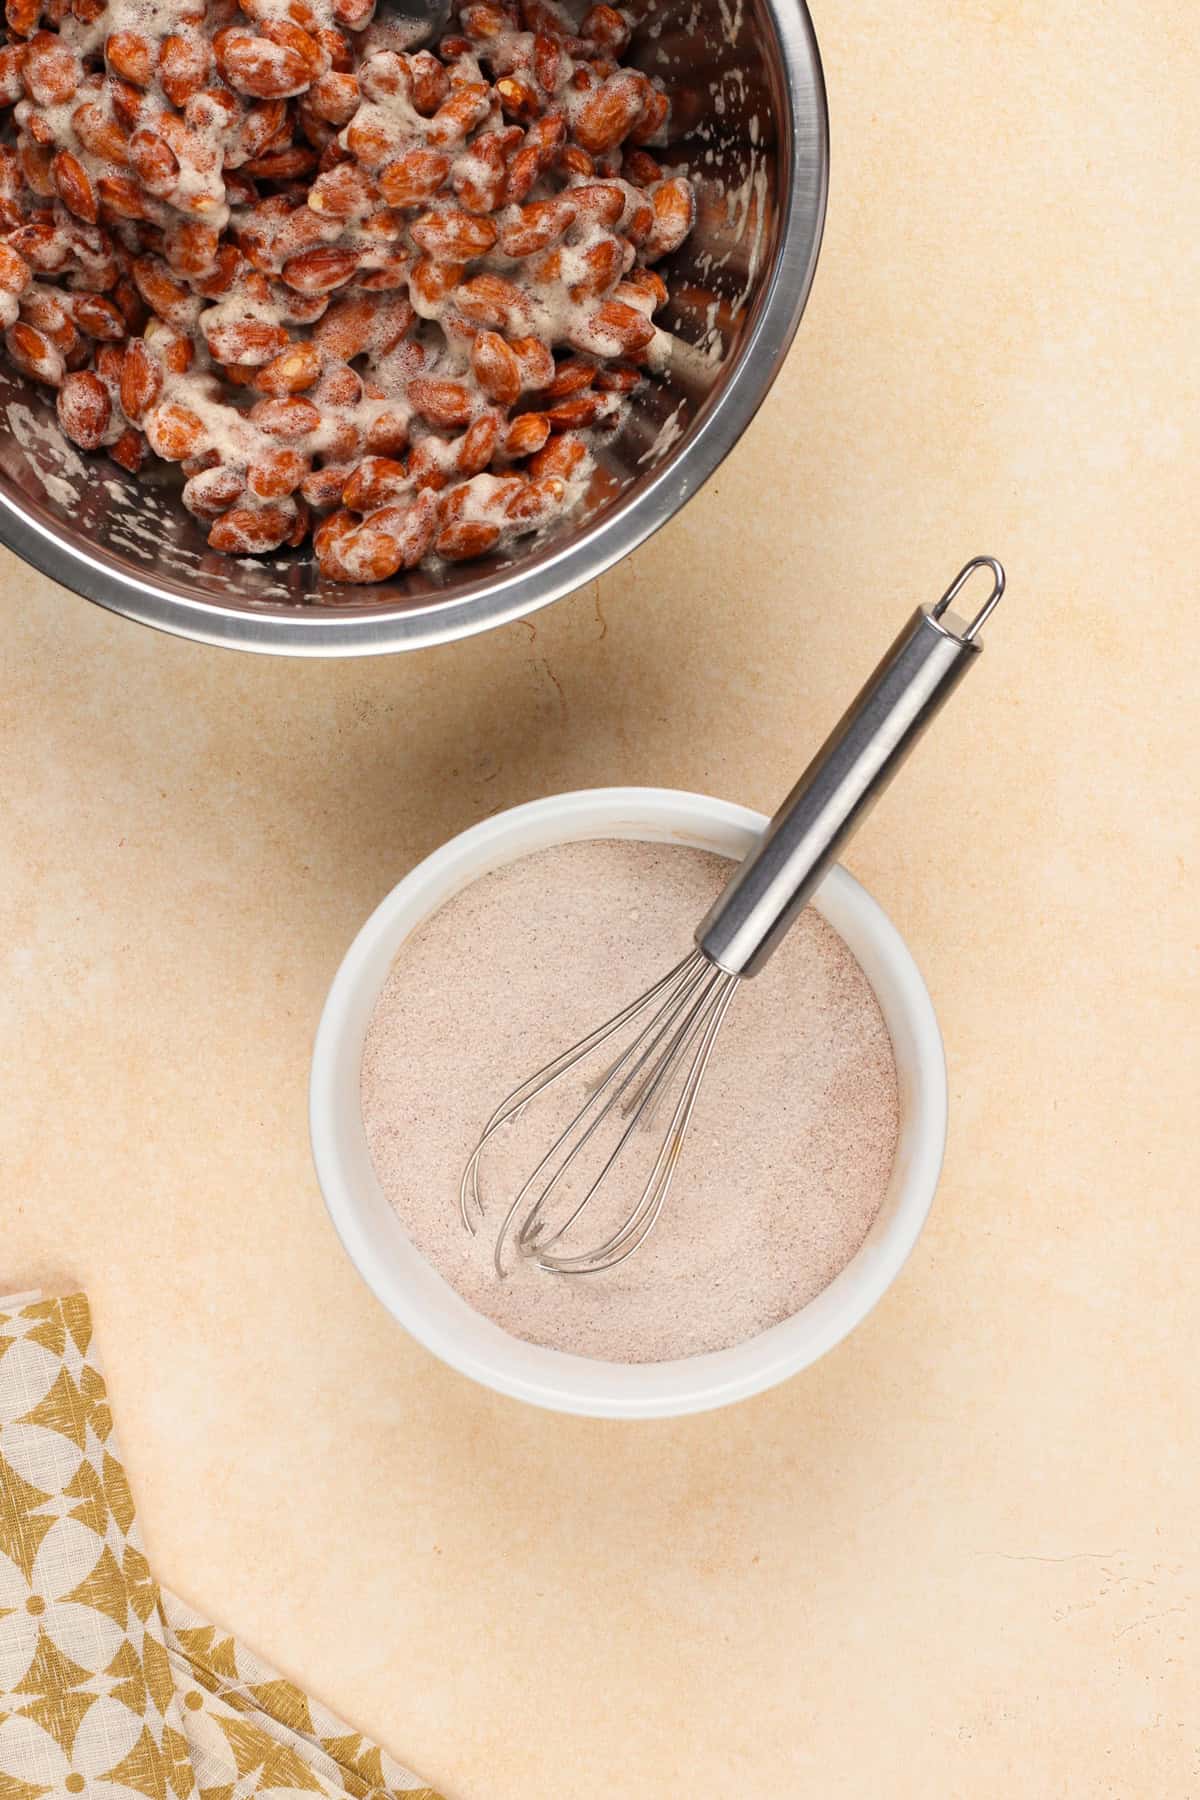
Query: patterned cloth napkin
(109, 1686)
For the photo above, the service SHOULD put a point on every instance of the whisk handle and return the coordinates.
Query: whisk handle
(844, 779)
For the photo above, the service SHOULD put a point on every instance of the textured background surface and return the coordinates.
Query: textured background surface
(960, 1556)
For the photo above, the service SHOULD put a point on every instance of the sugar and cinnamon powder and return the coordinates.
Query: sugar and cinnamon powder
(790, 1151)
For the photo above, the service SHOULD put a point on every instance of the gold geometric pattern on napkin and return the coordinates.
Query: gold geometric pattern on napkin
(109, 1686)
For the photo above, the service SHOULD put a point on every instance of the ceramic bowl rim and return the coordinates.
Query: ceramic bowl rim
(551, 1378)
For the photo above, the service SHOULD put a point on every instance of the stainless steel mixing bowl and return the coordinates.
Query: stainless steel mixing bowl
(750, 123)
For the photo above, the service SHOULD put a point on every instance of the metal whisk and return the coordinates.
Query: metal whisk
(679, 1018)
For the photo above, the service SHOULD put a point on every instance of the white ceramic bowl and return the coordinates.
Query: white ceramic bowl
(429, 1308)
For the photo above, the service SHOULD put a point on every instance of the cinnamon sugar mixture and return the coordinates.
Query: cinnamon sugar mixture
(791, 1146)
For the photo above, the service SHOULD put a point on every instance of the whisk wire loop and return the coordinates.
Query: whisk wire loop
(571, 1150)
(545, 1078)
(642, 1220)
(685, 1008)
(639, 1109)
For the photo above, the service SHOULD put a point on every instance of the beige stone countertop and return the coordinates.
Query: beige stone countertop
(960, 1556)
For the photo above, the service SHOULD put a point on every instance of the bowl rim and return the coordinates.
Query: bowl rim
(555, 1379)
(524, 588)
